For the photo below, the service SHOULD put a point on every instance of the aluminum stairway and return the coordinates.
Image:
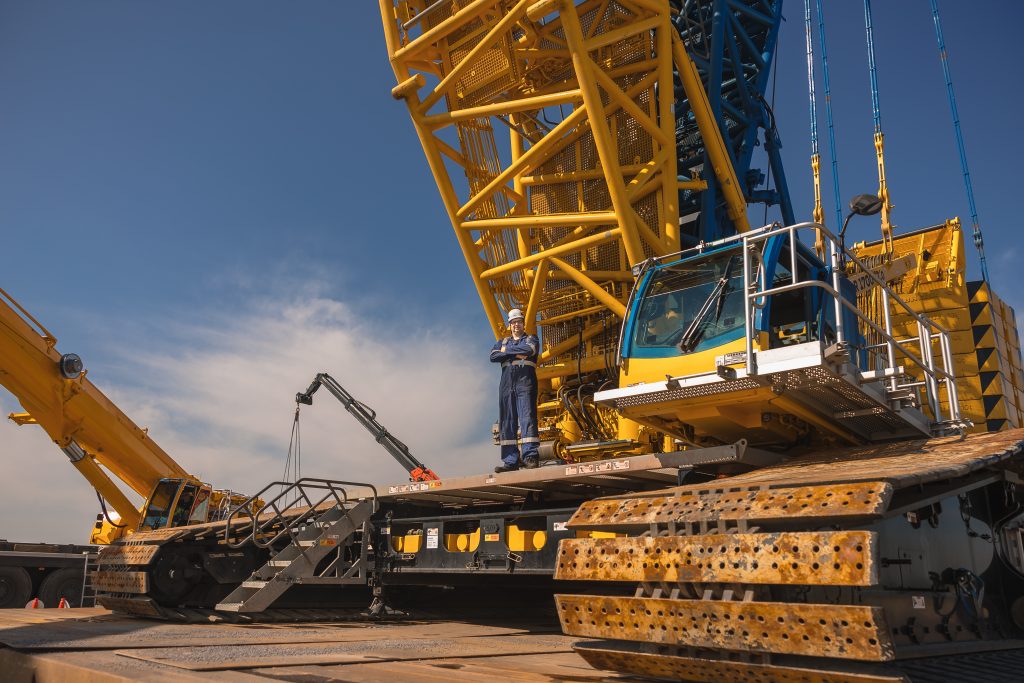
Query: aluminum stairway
(325, 543)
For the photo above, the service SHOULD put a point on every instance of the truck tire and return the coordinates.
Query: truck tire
(64, 583)
(15, 587)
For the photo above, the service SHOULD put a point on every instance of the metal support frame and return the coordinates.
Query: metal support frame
(732, 45)
(609, 109)
(567, 92)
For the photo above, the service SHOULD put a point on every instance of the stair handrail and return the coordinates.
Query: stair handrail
(259, 529)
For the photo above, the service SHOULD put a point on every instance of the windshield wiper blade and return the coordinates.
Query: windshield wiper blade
(726, 284)
(695, 332)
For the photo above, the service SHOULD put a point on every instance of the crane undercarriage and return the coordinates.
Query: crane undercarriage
(848, 563)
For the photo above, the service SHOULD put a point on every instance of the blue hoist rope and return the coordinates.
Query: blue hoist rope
(978, 241)
(828, 114)
(876, 110)
(810, 76)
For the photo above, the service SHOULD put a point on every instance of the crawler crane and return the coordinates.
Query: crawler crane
(767, 468)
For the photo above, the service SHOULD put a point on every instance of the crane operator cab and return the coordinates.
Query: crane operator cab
(182, 502)
(174, 502)
(739, 339)
(177, 502)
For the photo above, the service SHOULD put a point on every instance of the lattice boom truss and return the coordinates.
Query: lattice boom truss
(582, 95)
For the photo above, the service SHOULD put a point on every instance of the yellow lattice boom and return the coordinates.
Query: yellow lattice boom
(541, 123)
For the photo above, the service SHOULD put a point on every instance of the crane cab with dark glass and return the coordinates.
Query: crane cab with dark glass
(739, 339)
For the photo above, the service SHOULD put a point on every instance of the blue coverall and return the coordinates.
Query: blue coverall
(517, 397)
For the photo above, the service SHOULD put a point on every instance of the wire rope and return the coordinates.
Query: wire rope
(979, 242)
(828, 114)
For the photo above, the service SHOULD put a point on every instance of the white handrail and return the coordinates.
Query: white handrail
(928, 330)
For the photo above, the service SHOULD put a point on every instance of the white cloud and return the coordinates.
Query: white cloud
(218, 395)
(42, 497)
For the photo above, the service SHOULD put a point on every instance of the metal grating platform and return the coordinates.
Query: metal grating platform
(811, 374)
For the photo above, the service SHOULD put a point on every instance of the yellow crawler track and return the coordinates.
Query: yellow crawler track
(775, 574)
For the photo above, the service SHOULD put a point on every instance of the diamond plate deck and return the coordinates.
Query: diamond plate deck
(720, 671)
(901, 464)
(845, 558)
(843, 631)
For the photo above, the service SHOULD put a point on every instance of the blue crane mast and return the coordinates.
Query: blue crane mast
(733, 46)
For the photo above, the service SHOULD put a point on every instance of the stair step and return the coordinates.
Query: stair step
(296, 562)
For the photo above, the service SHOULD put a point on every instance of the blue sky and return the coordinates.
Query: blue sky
(211, 201)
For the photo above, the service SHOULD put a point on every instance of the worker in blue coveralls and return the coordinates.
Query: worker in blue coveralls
(517, 394)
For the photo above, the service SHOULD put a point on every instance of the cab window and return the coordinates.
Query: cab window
(158, 510)
(184, 505)
(676, 295)
(201, 508)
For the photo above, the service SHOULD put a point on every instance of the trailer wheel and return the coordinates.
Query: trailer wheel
(64, 583)
(15, 587)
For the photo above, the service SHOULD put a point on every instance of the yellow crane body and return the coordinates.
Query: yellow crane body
(100, 440)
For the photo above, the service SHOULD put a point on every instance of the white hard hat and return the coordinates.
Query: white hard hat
(515, 314)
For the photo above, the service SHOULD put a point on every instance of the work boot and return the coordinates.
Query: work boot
(505, 468)
(530, 463)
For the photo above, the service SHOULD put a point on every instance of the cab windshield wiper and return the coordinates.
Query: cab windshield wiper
(695, 332)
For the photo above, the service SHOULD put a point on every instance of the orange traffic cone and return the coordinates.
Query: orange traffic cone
(35, 603)
(64, 604)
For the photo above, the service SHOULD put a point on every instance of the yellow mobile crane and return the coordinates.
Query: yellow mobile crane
(100, 441)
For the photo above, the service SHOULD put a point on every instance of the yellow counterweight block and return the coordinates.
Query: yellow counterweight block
(929, 272)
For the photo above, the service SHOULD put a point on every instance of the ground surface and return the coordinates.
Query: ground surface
(95, 646)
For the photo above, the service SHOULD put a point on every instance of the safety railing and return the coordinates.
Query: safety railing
(295, 506)
(886, 352)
